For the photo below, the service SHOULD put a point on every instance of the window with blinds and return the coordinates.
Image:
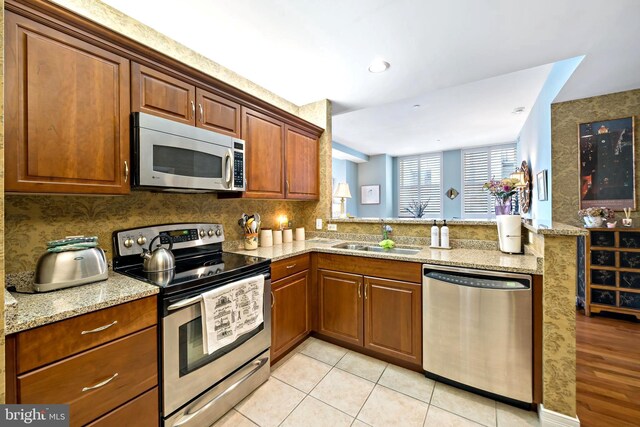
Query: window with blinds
(478, 167)
(420, 180)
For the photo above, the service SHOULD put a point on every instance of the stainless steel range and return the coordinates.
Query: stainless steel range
(198, 387)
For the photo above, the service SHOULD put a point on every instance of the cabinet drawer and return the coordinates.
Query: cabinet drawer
(133, 359)
(46, 344)
(397, 270)
(140, 412)
(289, 266)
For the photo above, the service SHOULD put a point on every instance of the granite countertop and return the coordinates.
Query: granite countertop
(26, 311)
(553, 228)
(459, 257)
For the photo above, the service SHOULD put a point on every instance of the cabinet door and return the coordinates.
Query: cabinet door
(217, 113)
(67, 113)
(156, 93)
(264, 155)
(393, 318)
(290, 312)
(340, 306)
(302, 157)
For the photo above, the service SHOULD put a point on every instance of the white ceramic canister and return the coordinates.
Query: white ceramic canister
(287, 235)
(300, 233)
(266, 237)
(277, 237)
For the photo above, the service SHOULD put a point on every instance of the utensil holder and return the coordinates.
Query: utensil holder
(251, 241)
(266, 238)
(287, 235)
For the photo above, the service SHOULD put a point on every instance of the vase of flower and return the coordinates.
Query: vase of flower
(595, 217)
(503, 206)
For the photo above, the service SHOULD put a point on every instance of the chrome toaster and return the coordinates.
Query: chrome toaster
(58, 270)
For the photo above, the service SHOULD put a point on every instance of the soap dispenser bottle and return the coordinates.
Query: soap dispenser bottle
(444, 235)
(435, 235)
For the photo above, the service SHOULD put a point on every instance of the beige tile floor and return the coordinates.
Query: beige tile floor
(320, 384)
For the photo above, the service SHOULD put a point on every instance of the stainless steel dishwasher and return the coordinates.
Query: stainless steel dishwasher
(477, 330)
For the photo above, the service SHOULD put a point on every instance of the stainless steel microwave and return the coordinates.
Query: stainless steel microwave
(171, 156)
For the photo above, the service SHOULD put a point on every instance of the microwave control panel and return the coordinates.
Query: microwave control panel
(238, 165)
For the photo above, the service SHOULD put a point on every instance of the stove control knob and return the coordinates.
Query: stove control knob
(128, 242)
(202, 233)
(218, 232)
(141, 240)
(210, 232)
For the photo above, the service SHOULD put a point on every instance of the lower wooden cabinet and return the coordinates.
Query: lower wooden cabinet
(383, 316)
(340, 306)
(103, 364)
(393, 318)
(290, 319)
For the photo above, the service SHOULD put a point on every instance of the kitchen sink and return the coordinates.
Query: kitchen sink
(366, 248)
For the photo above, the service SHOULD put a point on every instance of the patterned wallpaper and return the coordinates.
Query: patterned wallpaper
(31, 221)
(559, 325)
(565, 117)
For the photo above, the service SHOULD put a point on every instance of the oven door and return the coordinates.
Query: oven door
(172, 161)
(187, 370)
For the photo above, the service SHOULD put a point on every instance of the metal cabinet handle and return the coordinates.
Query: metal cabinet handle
(366, 285)
(291, 266)
(193, 110)
(273, 299)
(288, 188)
(101, 328)
(359, 290)
(201, 113)
(103, 383)
(126, 171)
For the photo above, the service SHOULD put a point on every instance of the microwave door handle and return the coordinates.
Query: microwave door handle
(228, 168)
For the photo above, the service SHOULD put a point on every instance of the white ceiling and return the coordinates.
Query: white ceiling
(305, 50)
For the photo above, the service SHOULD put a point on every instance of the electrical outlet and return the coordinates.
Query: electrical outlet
(318, 223)
(332, 227)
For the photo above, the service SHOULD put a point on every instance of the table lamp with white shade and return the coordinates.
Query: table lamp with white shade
(342, 191)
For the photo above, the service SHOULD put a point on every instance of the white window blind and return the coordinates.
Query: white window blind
(478, 167)
(420, 180)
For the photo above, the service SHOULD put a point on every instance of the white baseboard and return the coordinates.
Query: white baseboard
(555, 419)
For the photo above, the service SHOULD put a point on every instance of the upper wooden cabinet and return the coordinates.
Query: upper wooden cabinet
(156, 93)
(159, 94)
(217, 113)
(303, 167)
(264, 164)
(67, 113)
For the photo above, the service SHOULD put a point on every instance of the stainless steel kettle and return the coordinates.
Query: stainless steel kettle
(158, 260)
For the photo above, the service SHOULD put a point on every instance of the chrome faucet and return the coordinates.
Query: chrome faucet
(386, 229)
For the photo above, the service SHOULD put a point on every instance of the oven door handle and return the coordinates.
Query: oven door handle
(184, 419)
(184, 303)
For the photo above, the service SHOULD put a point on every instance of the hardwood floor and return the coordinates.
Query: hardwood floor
(608, 371)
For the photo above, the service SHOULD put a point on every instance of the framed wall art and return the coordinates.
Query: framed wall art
(370, 194)
(606, 164)
(541, 181)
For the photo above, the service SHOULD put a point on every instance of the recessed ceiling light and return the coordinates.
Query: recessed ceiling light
(378, 66)
(416, 106)
(518, 110)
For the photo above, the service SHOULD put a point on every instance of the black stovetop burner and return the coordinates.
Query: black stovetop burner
(200, 261)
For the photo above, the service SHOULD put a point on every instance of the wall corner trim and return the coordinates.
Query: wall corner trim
(550, 418)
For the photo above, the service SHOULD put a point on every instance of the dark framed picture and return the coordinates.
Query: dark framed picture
(607, 164)
(370, 194)
(541, 181)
